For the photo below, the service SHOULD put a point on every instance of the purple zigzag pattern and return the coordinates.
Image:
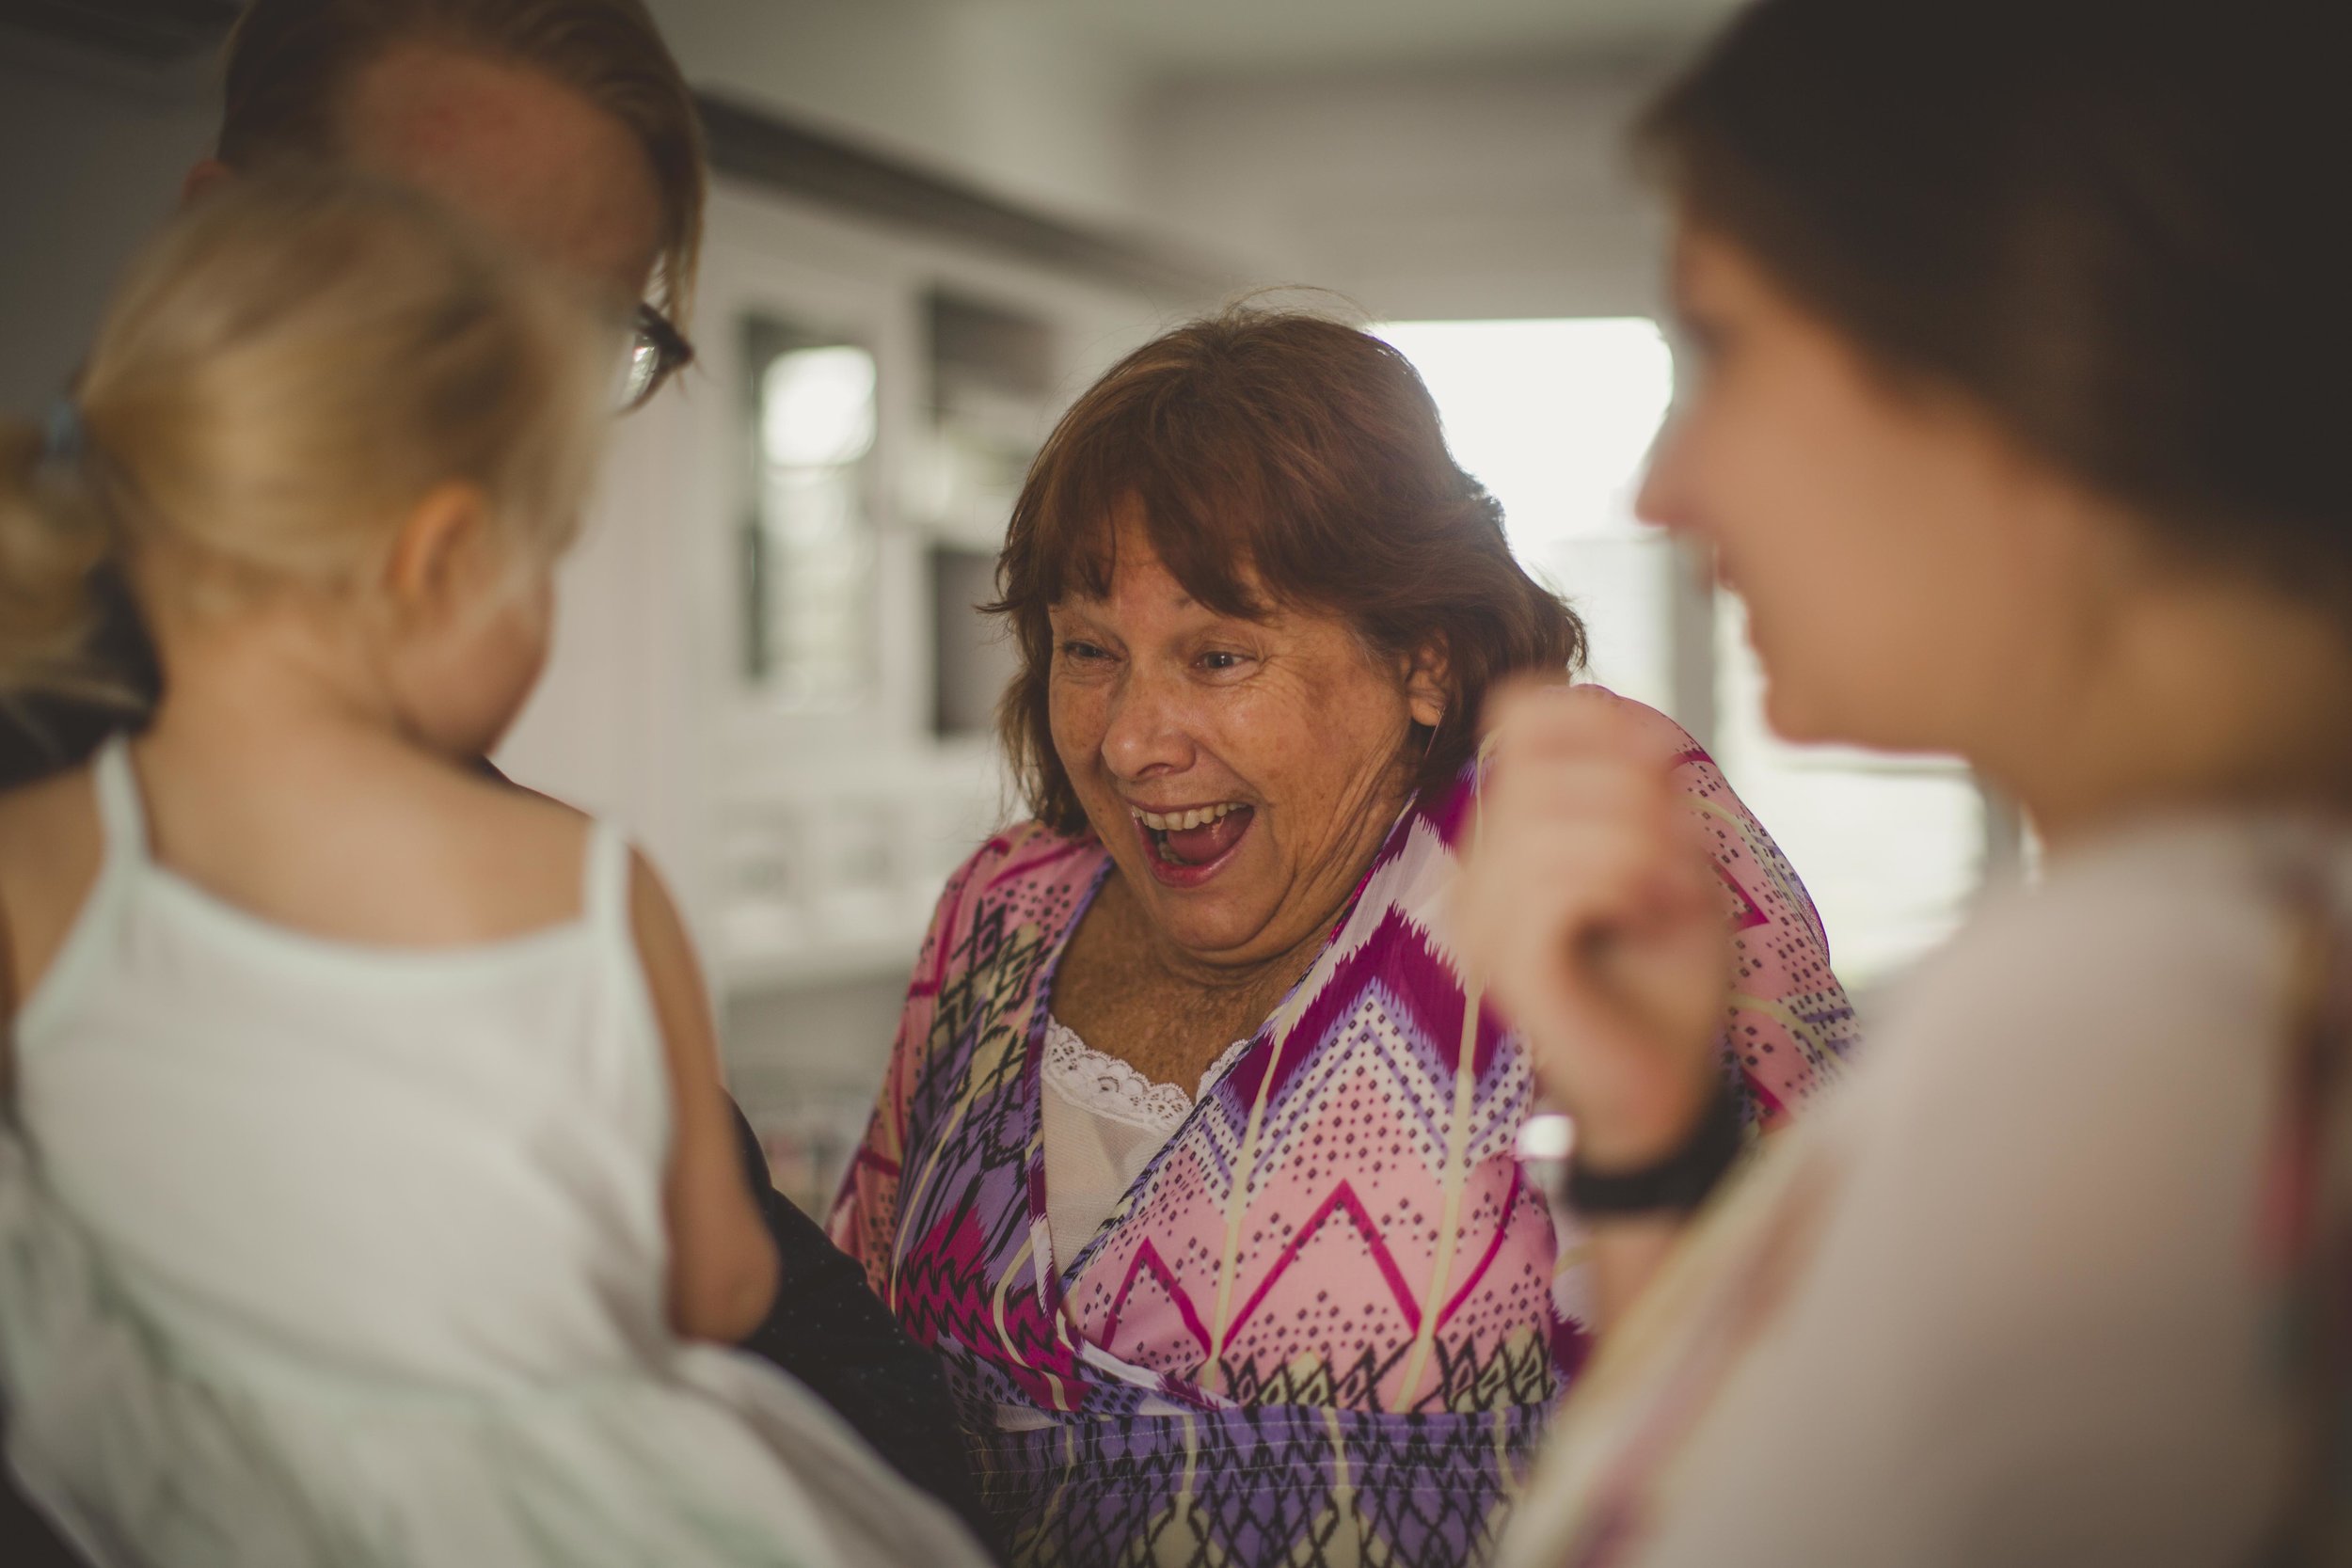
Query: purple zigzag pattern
(1147, 1263)
(1343, 1201)
(1396, 958)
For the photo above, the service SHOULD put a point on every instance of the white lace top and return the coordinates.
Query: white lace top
(1104, 1122)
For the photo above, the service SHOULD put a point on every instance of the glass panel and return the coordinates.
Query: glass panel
(1554, 418)
(972, 654)
(809, 546)
(993, 397)
(1892, 848)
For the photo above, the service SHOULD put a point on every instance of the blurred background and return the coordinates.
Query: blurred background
(936, 221)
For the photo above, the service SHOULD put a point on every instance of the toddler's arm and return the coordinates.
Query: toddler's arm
(723, 1260)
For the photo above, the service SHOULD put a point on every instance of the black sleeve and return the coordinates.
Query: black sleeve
(830, 1331)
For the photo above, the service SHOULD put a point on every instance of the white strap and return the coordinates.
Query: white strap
(121, 815)
(605, 877)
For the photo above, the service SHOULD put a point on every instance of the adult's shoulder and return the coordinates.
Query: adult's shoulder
(1029, 863)
(2161, 930)
(36, 808)
(1026, 850)
(1671, 745)
(51, 848)
(2112, 1042)
(50, 830)
(2030, 1240)
(1664, 739)
(1672, 748)
(1011, 895)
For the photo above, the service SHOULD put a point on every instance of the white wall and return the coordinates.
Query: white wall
(91, 154)
(1495, 194)
(1462, 192)
(90, 161)
(995, 93)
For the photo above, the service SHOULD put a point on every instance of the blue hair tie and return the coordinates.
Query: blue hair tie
(61, 439)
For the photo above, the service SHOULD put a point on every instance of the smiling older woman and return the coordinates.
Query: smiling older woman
(1195, 1156)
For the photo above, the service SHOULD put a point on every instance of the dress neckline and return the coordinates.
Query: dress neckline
(1106, 1086)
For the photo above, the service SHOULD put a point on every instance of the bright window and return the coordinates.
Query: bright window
(1556, 418)
(809, 551)
(1892, 848)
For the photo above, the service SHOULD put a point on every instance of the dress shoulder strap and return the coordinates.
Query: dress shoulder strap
(604, 879)
(86, 957)
(121, 814)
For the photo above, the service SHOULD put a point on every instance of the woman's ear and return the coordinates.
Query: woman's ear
(438, 557)
(1427, 689)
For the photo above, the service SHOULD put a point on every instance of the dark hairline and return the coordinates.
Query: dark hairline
(681, 191)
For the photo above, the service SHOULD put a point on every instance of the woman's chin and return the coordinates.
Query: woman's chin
(1214, 908)
(1791, 716)
(1808, 716)
(1799, 724)
(1215, 933)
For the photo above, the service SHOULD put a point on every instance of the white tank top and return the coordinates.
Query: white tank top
(288, 1145)
(1103, 1123)
(317, 1252)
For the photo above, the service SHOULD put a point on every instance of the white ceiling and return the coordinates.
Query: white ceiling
(1064, 104)
(1217, 38)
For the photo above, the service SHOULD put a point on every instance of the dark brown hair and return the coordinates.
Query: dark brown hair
(1285, 449)
(2113, 228)
(291, 61)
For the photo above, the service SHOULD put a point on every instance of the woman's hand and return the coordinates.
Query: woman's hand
(1590, 910)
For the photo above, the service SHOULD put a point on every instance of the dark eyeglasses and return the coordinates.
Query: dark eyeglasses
(656, 351)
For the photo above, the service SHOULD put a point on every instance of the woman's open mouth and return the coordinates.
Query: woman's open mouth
(1187, 848)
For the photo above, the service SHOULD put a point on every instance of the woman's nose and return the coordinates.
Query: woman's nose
(1147, 733)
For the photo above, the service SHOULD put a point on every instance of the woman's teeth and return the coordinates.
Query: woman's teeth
(1182, 821)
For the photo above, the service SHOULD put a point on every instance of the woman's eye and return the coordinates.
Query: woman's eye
(1076, 649)
(1222, 661)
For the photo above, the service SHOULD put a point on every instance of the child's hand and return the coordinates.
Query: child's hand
(1590, 910)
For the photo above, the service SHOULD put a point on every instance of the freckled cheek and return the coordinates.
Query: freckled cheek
(1076, 716)
(1272, 747)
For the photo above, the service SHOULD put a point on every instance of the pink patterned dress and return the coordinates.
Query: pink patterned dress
(1328, 1319)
